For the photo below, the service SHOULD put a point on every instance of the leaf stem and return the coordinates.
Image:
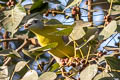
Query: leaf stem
(88, 55)
(110, 7)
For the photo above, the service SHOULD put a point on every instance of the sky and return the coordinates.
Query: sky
(27, 2)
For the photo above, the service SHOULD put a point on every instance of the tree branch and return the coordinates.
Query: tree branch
(10, 39)
(24, 43)
(90, 14)
(5, 36)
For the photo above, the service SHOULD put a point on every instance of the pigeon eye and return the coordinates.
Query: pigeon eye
(35, 21)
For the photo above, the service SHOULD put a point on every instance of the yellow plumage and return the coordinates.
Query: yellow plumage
(44, 38)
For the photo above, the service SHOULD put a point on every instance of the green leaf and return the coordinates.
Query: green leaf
(15, 53)
(20, 65)
(48, 47)
(61, 26)
(69, 2)
(103, 76)
(52, 22)
(90, 31)
(53, 1)
(57, 24)
(11, 69)
(115, 10)
(48, 76)
(4, 73)
(5, 52)
(26, 53)
(39, 6)
(108, 30)
(23, 71)
(14, 18)
(36, 53)
(113, 63)
(110, 55)
(116, 13)
(78, 32)
(33, 53)
(2, 16)
(54, 67)
(90, 38)
(89, 72)
(63, 32)
(5, 0)
(108, 78)
(9, 53)
(30, 75)
(114, 1)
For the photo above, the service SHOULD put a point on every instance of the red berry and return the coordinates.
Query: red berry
(66, 60)
(8, 3)
(49, 11)
(73, 64)
(74, 8)
(46, 14)
(12, 3)
(83, 61)
(100, 54)
(54, 14)
(78, 9)
(74, 12)
(94, 59)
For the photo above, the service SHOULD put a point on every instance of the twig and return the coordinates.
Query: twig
(5, 44)
(111, 39)
(10, 39)
(88, 55)
(18, 49)
(50, 63)
(110, 7)
(5, 36)
(24, 43)
(7, 61)
(110, 48)
(98, 3)
(90, 14)
(40, 67)
(12, 75)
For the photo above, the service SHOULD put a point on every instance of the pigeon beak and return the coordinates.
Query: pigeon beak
(27, 25)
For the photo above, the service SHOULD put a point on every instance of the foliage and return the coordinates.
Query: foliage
(20, 50)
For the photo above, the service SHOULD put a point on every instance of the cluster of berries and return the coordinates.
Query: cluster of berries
(101, 53)
(107, 19)
(75, 11)
(54, 12)
(94, 59)
(10, 3)
(70, 61)
(75, 61)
